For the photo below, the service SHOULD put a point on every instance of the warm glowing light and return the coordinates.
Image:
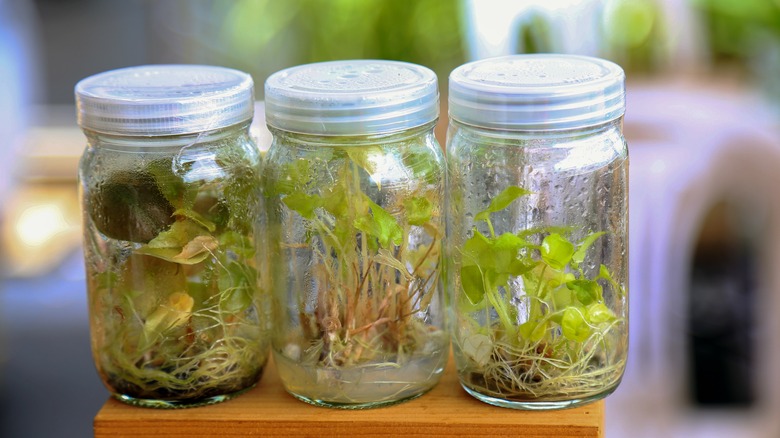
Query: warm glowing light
(39, 224)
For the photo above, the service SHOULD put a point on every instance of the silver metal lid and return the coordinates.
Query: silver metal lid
(537, 92)
(157, 100)
(351, 97)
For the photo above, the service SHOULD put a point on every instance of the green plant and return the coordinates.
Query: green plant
(561, 349)
(173, 280)
(374, 268)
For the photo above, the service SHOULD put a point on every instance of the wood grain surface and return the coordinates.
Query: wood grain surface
(268, 410)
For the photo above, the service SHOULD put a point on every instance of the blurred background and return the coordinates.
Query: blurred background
(704, 137)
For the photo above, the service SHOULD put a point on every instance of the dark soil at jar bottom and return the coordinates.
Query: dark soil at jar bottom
(190, 396)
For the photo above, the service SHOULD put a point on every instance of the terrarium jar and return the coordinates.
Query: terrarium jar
(355, 187)
(171, 199)
(538, 229)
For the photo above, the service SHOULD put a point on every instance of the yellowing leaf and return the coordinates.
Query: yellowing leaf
(197, 246)
(172, 313)
(385, 257)
(478, 347)
(170, 255)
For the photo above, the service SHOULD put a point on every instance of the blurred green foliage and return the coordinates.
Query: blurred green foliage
(633, 35)
(267, 35)
(744, 35)
(738, 29)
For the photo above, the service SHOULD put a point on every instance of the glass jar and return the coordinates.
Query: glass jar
(355, 187)
(537, 229)
(171, 199)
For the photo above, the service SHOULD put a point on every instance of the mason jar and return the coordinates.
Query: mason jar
(537, 243)
(355, 188)
(171, 200)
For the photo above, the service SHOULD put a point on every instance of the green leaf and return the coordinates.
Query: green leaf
(195, 217)
(472, 283)
(599, 313)
(178, 255)
(334, 201)
(557, 251)
(579, 255)
(418, 210)
(185, 242)
(510, 241)
(562, 278)
(533, 331)
(366, 157)
(587, 291)
(424, 166)
(606, 275)
(503, 255)
(303, 203)
(236, 286)
(178, 193)
(476, 251)
(294, 176)
(501, 201)
(179, 234)
(499, 255)
(562, 298)
(238, 243)
(574, 326)
(381, 225)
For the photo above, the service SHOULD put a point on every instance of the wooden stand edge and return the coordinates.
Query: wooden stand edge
(268, 410)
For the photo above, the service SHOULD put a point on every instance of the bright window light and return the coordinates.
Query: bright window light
(38, 224)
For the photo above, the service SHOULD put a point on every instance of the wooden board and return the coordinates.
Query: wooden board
(268, 410)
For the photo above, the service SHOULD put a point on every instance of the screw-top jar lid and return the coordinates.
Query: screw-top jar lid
(156, 100)
(537, 92)
(351, 97)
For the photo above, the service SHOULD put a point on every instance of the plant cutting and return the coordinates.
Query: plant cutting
(532, 324)
(365, 276)
(173, 279)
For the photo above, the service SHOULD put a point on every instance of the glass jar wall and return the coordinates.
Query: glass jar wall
(355, 188)
(537, 229)
(171, 198)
